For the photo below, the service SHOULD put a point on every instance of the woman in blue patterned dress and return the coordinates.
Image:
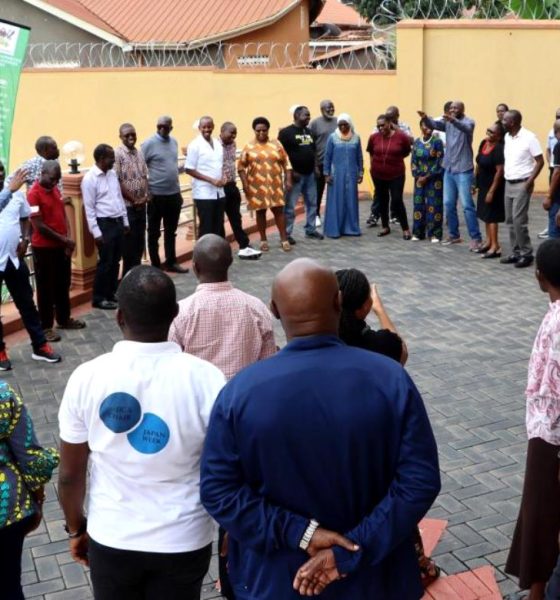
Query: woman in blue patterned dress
(343, 168)
(24, 469)
(427, 170)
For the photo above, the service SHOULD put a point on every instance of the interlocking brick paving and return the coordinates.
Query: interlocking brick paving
(469, 325)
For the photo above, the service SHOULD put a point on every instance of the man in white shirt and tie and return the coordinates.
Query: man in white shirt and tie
(204, 163)
(107, 221)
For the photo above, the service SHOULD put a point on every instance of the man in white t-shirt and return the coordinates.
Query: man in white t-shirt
(139, 414)
(204, 163)
(523, 163)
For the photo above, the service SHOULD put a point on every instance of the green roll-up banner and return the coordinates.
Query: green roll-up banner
(13, 44)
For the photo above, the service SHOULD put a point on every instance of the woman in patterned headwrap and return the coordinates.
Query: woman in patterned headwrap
(266, 172)
(24, 469)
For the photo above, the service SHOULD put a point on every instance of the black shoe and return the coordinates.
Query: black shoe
(495, 254)
(105, 305)
(175, 268)
(384, 232)
(372, 221)
(509, 260)
(291, 240)
(315, 235)
(524, 261)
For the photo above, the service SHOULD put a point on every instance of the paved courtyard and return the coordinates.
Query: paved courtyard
(469, 325)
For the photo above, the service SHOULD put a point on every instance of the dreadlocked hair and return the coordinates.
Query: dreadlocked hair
(355, 289)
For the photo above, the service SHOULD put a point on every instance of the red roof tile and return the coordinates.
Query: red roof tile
(337, 13)
(176, 21)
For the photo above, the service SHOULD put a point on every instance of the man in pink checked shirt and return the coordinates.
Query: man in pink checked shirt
(223, 325)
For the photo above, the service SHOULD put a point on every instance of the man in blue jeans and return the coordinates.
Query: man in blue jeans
(298, 142)
(458, 178)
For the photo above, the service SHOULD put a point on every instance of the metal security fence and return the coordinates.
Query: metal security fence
(363, 54)
(373, 50)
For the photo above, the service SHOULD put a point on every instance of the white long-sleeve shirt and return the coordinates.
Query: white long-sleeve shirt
(102, 198)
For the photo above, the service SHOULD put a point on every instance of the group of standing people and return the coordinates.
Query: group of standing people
(172, 428)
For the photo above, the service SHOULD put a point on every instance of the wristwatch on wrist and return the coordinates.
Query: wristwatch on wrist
(76, 534)
(312, 527)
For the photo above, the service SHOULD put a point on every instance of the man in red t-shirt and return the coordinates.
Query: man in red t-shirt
(52, 248)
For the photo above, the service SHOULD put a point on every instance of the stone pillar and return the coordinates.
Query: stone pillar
(84, 258)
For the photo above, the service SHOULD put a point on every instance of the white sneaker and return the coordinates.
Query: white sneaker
(249, 254)
(435, 240)
(318, 221)
(543, 235)
(415, 238)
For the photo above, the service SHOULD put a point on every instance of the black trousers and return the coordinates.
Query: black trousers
(17, 282)
(375, 210)
(211, 216)
(53, 272)
(11, 546)
(107, 273)
(168, 209)
(392, 190)
(134, 242)
(233, 212)
(320, 180)
(128, 575)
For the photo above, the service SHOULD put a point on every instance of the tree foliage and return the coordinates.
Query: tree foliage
(394, 10)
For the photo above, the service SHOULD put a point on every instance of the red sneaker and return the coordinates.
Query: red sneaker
(46, 353)
(5, 364)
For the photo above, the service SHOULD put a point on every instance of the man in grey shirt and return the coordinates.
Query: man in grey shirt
(161, 155)
(458, 177)
(321, 128)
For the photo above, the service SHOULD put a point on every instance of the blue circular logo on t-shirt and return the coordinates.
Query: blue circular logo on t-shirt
(120, 412)
(151, 436)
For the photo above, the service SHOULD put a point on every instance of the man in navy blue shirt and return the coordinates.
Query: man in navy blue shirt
(320, 438)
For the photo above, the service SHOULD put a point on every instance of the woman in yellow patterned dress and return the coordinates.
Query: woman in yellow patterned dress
(266, 172)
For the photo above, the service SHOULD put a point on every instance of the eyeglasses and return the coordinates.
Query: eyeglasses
(490, 132)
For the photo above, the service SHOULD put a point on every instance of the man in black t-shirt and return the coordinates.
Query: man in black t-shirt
(552, 200)
(298, 142)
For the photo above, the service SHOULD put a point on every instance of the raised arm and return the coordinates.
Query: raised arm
(437, 124)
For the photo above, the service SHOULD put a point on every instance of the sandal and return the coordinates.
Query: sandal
(286, 246)
(72, 324)
(264, 246)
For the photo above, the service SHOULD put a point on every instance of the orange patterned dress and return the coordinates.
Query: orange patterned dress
(264, 165)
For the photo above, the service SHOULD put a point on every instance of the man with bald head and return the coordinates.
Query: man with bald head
(161, 153)
(223, 325)
(459, 172)
(321, 451)
(46, 148)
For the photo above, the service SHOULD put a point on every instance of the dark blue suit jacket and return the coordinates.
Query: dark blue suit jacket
(324, 431)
